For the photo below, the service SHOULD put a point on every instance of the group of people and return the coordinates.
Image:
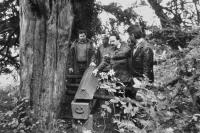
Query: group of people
(133, 59)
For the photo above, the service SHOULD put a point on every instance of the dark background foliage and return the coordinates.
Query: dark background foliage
(9, 35)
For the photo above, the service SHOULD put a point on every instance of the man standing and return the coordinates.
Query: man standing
(81, 54)
(115, 58)
(103, 50)
(142, 54)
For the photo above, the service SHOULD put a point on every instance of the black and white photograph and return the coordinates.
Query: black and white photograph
(99, 66)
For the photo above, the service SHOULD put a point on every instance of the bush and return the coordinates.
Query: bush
(157, 109)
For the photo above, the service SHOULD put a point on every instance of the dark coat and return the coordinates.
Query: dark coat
(118, 62)
(73, 55)
(142, 61)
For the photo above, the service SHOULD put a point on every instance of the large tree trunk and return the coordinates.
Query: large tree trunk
(44, 37)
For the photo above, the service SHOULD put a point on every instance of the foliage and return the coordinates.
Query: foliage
(158, 108)
(9, 35)
(177, 12)
(18, 116)
(123, 17)
(176, 38)
(126, 16)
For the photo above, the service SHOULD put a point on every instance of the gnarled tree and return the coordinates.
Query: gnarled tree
(45, 31)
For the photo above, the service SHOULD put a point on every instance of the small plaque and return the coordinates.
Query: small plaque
(80, 110)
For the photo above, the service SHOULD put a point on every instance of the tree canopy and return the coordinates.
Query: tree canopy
(177, 12)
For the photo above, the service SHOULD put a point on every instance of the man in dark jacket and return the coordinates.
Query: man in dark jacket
(115, 58)
(81, 54)
(141, 55)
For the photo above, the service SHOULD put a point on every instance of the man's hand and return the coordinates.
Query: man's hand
(71, 70)
(92, 64)
(95, 71)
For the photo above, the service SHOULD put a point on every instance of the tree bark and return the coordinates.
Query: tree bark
(45, 31)
(159, 12)
(164, 19)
